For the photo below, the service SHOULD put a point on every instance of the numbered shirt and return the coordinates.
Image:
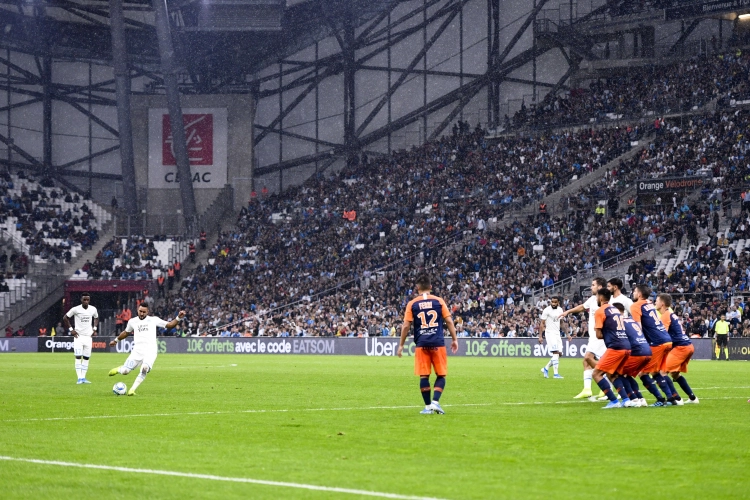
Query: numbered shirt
(646, 314)
(144, 331)
(551, 318)
(609, 319)
(638, 343)
(427, 312)
(83, 319)
(674, 328)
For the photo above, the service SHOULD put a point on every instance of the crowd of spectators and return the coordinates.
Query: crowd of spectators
(488, 276)
(361, 230)
(135, 259)
(655, 90)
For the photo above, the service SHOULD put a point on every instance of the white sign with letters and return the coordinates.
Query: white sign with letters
(206, 135)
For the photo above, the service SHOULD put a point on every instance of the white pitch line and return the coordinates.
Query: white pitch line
(211, 477)
(295, 410)
(177, 414)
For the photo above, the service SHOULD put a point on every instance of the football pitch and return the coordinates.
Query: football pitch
(237, 426)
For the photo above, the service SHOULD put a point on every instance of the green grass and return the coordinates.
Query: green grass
(500, 450)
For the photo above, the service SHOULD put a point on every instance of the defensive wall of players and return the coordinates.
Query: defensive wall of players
(739, 349)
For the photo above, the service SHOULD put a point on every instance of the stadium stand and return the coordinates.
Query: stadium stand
(134, 258)
(491, 273)
(646, 91)
(45, 222)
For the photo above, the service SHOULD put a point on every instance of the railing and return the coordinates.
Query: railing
(627, 255)
(174, 224)
(559, 287)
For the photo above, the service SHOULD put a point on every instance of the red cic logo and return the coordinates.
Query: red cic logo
(199, 132)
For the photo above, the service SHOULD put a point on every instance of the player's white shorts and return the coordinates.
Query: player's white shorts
(554, 343)
(147, 357)
(596, 347)
(82, 346)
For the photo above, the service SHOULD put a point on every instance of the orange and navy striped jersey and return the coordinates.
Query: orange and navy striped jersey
(426, 312)
(674, 328)
(646, 314)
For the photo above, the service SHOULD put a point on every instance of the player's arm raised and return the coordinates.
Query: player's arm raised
(575, 310)
(175, 321)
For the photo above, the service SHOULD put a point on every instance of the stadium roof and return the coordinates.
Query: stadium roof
(79, 29)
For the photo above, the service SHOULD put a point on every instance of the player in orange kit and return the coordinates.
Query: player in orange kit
(427, 313)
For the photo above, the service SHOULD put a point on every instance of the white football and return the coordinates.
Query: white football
(120, 388)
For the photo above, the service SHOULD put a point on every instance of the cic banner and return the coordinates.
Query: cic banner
(206, 135)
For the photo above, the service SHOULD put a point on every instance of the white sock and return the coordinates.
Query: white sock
(587, 376)
(78, 369)
(122, 370)
(555, 362)
(140, 378)
(549, 363)
(84, 367)
(427, 407)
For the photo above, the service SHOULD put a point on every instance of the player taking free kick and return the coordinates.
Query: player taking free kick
(427, 313)
(145, 349)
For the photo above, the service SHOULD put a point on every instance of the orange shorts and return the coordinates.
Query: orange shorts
(634, 365)
(427, 357)
(612, 361)
(658, 357)
(678, 358)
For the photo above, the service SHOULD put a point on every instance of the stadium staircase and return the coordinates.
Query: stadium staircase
(557, 201)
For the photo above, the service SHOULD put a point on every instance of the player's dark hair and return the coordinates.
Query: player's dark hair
(606, 294)
(666, 298)
(143, 304)
(556, 297)
(600, 281)
(615, 282)
(423, 282)
(85, 294)
(644, 290)
(619, 307)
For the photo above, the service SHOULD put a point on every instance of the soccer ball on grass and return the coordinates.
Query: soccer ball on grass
(120, 389)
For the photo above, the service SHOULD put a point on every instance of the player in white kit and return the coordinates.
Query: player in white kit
(143, 327)
(614, 285)
(551, 323)
(595, 348)
(86, 322)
